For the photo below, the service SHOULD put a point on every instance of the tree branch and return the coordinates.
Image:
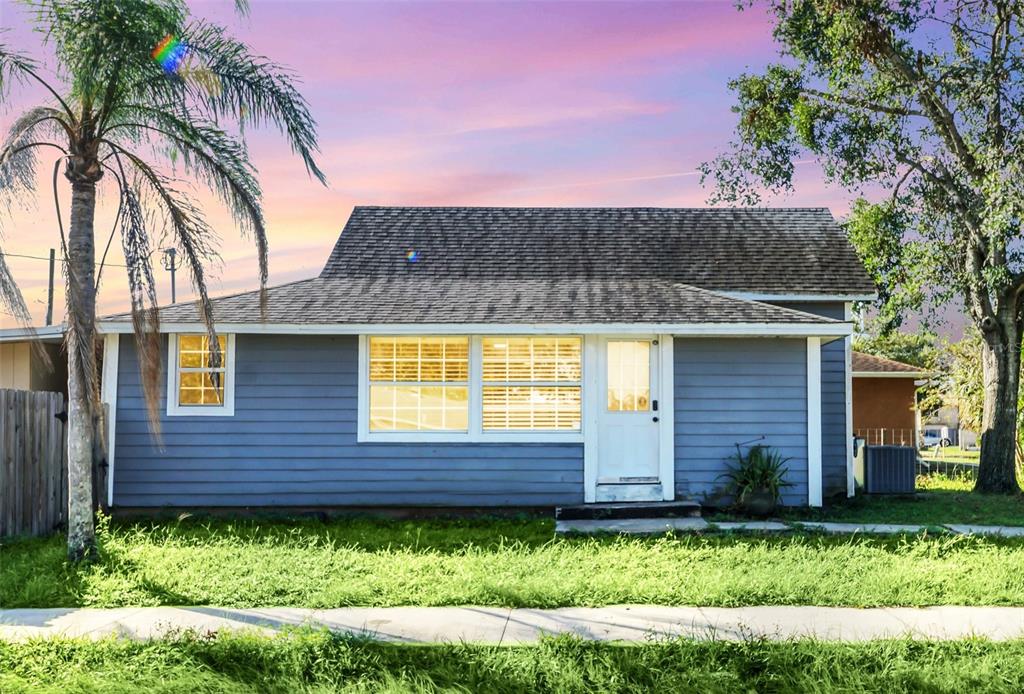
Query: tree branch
(862, 103)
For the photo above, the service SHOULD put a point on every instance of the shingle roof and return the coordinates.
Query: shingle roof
(427, 300)
(869, 363)
(757, 250)
(561, 265)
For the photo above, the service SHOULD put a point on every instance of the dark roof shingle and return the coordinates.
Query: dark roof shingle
(561, 265)
(751, 250)
(411, 300)
(869, 363)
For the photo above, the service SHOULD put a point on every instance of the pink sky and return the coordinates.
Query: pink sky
(465, 103)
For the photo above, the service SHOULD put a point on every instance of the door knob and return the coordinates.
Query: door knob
(655, 419)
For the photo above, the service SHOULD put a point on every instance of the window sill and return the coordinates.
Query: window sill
(428, 437)
(225, 411)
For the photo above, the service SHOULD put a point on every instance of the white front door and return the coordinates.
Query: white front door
(628, 416)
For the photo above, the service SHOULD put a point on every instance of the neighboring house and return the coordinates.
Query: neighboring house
(885, 400)
(24, 366)
(489, 357)
(943, 427)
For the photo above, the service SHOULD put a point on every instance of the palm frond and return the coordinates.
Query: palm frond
(232, 82)
(142, 289)
(191, 232)
(216, 159)
(18, 159)
(19, 68)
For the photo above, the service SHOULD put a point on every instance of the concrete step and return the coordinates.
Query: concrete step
(685, 508)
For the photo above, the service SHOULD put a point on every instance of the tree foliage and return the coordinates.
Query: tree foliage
(117, 114)
(918, 108)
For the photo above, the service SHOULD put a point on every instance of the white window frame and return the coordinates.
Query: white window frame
(475, 434)
(176, 410)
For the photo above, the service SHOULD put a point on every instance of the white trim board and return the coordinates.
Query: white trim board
(814, 492)
(176, 410)
(851, 483)
(890, 374)
(667, 418)
(108, 395)
(832, 329)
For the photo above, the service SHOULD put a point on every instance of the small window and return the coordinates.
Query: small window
(419, 384)
(195, 387)
(532, 383)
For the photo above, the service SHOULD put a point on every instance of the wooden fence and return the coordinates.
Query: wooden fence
(33, 469)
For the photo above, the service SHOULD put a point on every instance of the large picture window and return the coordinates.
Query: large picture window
(419, 383)
(531, 383)
(471, 388)
(193, 386)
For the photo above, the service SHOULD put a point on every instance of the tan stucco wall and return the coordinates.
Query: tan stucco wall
(21, 368)
(15, 366)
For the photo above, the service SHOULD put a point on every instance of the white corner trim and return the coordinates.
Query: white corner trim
(666, 418)
(176, 410)
(591, 409)
(830, 329)
(108, 395)
(814, 492)
(851, 484)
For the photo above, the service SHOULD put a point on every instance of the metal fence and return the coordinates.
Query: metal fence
(887, 437)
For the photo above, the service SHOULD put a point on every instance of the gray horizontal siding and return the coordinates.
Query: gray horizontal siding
(292, 442)
(730, 391)
(833, 400)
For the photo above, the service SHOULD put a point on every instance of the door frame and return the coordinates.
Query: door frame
(592, 404)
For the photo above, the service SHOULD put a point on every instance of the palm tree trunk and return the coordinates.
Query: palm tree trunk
(997, 472)
(81, 311)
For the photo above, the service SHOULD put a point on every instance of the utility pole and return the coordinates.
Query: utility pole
(49, 293)
(170, 264)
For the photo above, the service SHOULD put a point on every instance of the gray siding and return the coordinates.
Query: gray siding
(731, 391)
(292, 442)
(833, 401)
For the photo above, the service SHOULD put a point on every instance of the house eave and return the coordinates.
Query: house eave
(767, 296)
(832, 329)
(891, 374)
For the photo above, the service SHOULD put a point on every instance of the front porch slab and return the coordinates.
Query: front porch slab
(630, 526)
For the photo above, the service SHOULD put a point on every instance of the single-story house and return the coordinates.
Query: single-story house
(484, 357)
(885, 400)
(23, 365)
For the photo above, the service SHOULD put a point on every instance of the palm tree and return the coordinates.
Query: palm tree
(139, 85)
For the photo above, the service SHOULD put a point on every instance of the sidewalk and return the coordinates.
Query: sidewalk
(656, 526)
(512, 626)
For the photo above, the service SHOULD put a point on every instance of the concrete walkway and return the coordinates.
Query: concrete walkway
(657, 526)
(510, 626)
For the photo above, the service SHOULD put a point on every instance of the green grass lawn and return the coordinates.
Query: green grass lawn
(949, 452)
(501, 562)
(939, 500)
(319, 662)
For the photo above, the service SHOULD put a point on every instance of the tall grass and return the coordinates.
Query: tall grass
(501, 563)
(319, 662)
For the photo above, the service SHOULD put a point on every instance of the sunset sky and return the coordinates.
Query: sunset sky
(605, 104)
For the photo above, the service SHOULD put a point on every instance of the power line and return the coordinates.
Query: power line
(39, 257)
